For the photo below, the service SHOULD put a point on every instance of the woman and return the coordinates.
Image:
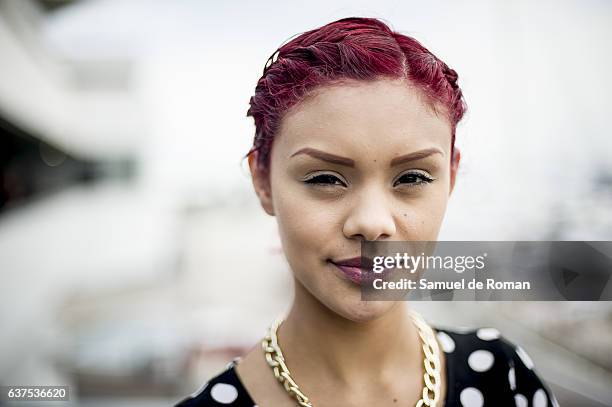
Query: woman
(355, 133)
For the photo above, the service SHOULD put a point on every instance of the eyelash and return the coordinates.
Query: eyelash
(319, 179)
(423, 178)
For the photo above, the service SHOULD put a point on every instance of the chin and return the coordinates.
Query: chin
(362, 311)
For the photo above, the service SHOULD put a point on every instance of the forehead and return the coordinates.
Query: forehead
(381, 116)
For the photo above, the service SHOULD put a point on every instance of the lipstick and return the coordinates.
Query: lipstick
(352, 269)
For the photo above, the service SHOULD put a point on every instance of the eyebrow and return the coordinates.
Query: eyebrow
(417, 155)
(347, 162)
(322, 155)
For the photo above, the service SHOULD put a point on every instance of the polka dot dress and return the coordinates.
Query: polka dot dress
(483, 369)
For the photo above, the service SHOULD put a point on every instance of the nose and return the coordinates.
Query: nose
(370, 218)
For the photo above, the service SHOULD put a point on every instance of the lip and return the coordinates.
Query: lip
(352, 269)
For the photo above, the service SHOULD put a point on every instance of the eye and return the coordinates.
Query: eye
(325, 179)
(412, 179)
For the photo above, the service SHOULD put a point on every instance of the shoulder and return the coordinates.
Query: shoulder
(483, 365)
(224, 389)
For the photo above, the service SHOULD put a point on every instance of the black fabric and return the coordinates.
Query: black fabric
(483, 369)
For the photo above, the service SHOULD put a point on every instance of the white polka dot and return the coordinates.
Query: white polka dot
(448, 345)
(524, 357)
(540, 399)
(224, 393)
(488, 334)
(471, 397)
(512, 378)
(520, 400)
(481, 360)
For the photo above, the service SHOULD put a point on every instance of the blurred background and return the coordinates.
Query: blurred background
(123, 191)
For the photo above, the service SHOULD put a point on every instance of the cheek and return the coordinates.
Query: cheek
(304, 224)
(307, 228)
(421, 219)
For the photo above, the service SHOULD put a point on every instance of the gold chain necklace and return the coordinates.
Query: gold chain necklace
(431, 362)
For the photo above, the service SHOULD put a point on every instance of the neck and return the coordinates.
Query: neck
(316, 340)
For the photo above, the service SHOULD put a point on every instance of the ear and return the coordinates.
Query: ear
(454, 168)
(261, 183)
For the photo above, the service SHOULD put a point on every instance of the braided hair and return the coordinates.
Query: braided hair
(352, 48)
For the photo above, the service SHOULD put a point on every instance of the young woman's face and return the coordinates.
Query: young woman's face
(365, 160)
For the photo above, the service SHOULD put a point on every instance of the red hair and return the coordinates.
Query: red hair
(351, 48)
